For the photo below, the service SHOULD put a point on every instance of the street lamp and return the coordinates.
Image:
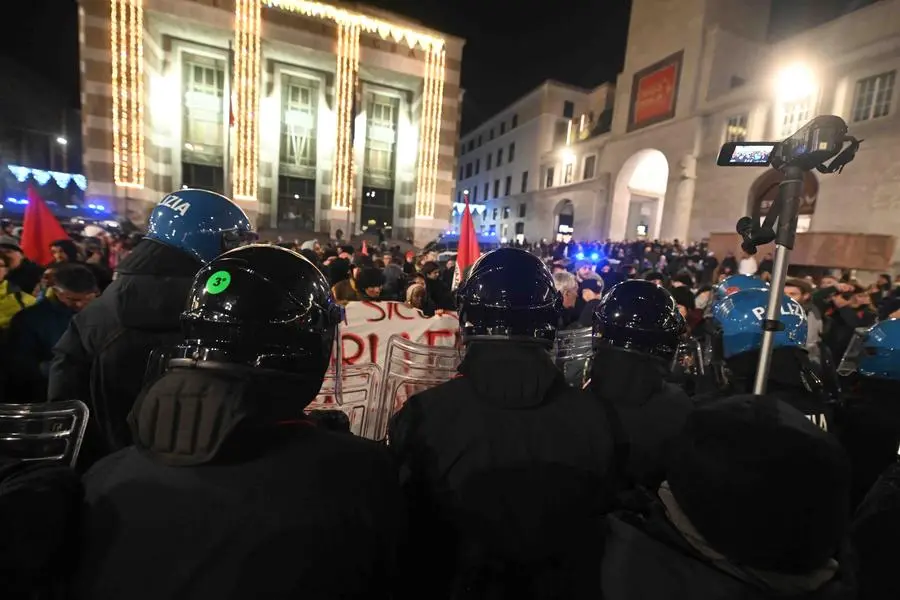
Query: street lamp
(795, 83)
(61, 141)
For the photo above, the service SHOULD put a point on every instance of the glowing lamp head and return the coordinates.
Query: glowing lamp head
(579, 256)
(595, 257)
(795, 82)
(567, 156)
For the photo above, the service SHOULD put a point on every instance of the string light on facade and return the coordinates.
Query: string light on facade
(350, 25)
(345, 86)
(245, 161)
(437, 95)
(385, 29)
(127, 53)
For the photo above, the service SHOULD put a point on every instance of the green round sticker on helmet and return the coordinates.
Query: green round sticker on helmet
(218, 282)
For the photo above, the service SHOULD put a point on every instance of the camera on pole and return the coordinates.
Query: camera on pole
(822, 139)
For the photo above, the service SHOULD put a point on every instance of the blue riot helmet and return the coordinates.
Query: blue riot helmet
(737, 283)
(509, 295)
(738, 323)
(201, 223)
(874, 352)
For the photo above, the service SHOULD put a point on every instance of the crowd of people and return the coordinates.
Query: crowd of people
(655, 473)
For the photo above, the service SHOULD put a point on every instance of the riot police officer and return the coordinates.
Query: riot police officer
(737, 336)
(101, 357)
(229, 492)
(637, 329)
(507, 469)
(870, 420)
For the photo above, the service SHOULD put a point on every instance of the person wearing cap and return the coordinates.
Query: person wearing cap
(755, 505)
(591, 294)
(366, 284)
(22, 273)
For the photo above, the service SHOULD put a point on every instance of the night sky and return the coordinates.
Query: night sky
(510, 47)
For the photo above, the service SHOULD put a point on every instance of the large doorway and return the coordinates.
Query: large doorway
(564, 223)
(639, 197)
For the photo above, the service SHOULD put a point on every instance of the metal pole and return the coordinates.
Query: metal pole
(789, 194)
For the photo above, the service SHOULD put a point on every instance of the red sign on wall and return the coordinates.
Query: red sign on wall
(654, 92)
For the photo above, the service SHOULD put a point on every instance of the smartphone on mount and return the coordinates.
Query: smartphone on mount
(746, 154)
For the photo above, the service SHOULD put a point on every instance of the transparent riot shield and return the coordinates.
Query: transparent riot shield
(353, 390)
(410, 368)
(573, 350)
(46, 431)
(850, 360)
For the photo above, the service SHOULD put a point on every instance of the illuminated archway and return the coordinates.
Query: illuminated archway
(639, 196)
(563, 220)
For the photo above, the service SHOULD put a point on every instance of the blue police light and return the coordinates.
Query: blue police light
(595, 257)
(580, 256)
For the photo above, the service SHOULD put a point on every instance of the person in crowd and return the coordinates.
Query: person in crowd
(736, 518)
(394, 277)
(366, 284)
(229, 491)
(20, 272)
(416, 296)
(729, 263)
(34, 331)
(684, 300)
(800, 291)
(567, 285)
(849, 311)
(102, 357)
(637, 329)
(12, 298)
(591, 293)
(507, 470)
(66, 251)
(409, 263)
(737, 338)
(439, 294)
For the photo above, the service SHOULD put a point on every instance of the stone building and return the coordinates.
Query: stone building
(698, 73)
(310, 115)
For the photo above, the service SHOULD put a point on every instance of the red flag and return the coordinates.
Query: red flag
(467, 252)
(231, 112)
(40, 229)
(365, 248)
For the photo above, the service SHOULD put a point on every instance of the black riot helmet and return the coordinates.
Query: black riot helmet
(509, 295)
(639, 316)
(260, 307)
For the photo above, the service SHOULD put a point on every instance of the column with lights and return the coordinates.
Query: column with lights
(126, 33)
(245, 156)
(345, 85)
(430, 131)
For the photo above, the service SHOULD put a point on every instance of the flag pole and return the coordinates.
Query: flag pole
(226, 158)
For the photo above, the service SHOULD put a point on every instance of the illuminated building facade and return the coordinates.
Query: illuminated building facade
(312, 116)
(698, 73)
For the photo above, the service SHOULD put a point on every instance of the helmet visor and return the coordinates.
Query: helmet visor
(856, 348)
